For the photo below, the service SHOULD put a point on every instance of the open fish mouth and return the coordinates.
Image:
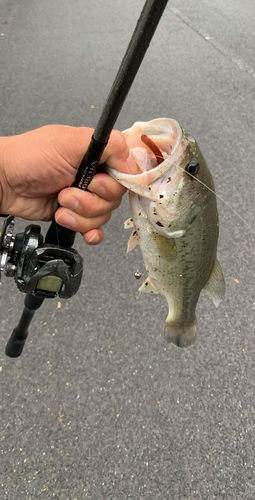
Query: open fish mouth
(156, 147)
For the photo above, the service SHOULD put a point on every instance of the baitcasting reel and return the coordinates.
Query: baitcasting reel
(41, 269)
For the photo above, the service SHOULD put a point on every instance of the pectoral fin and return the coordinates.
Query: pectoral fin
(148, 287)
(133, 241)
(215, 286)
(128, 223)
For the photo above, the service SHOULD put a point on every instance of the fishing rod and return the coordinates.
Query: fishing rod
(50, 268)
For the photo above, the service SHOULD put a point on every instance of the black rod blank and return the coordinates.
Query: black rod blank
(139, 43)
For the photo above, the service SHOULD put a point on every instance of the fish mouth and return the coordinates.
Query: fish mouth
(156, 147)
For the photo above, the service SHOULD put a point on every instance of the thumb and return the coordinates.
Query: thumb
(116, 154)
(76, 140)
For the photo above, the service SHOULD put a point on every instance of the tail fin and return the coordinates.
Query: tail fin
(182, 336)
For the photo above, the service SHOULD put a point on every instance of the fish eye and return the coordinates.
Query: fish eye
(192, 167)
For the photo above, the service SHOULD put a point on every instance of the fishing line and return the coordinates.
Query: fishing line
(218, 196)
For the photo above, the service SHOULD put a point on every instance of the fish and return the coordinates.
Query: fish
(174, 219)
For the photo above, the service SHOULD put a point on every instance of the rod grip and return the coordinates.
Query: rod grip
(89, 163)
(14, 346)
(18, 337)
(59, 235)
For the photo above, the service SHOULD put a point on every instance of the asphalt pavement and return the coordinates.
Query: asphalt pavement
(99, 406)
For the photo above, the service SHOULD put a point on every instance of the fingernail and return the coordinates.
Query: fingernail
(131, 164)
(71, 203)
(94, 238)
(66, 220)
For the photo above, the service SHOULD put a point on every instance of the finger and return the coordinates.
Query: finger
(69, 219)
(93, 237)
(87, 204)
(106, 187)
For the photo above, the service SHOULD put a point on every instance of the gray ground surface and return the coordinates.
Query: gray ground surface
(99, 406)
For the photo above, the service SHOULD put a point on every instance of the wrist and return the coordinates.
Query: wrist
(4, 148)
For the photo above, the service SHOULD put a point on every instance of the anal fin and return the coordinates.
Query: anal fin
(215, 286)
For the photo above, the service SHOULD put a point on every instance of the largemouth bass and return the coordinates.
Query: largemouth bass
(174, 220)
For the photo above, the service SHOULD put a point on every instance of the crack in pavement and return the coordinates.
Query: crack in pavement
(240, 63)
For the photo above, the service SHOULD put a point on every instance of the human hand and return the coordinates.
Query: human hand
(37, 167)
